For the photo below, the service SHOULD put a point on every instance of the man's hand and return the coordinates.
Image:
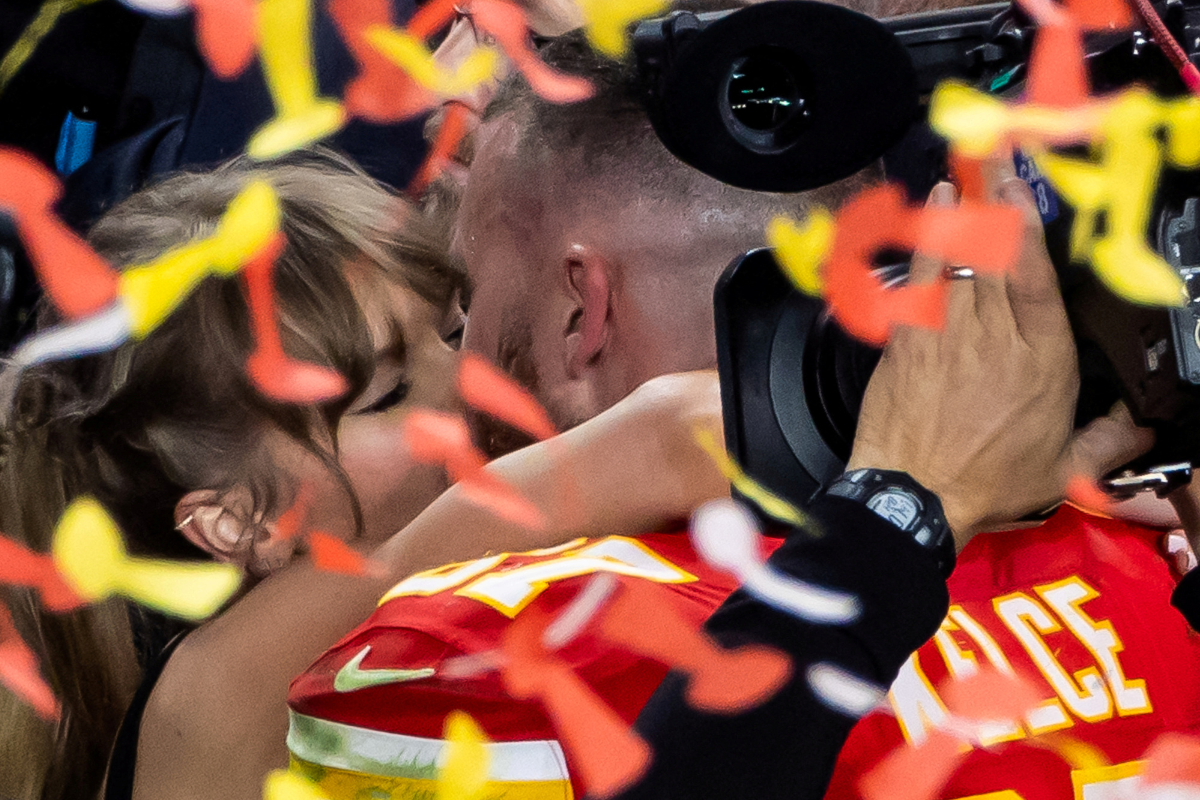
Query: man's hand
(981, 412)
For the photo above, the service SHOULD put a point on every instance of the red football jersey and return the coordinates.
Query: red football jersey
(1080, 605)
(375, 704)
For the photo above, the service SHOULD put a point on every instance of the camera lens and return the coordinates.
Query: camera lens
(763, 103)
(762, 95)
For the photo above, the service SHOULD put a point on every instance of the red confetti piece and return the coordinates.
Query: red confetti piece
(20, 566)
(508, 24)
(437, 438)
(915, 773)
(990, 696)
(1085, 494)
(431, 17)
(720, 680)
(226, 34)
(449, 136)
(1173, 758)
(1057, 69)
(77, 280)
(276, 374)
(487, 389)
(608, 755)
(291, 522)
(19, 670)
(331, 554)
(381, 92)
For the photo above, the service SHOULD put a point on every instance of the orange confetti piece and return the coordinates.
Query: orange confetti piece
(291, 522)
(875, 218)
(986, 237)
(77, 280)
(990, 695)
(721, 680)
(20, 566)
(487, 389)
(1096, 15)
(276, 374)
(331, 554)
(1085, 494)
(914, 773)
(502, 499)
(381, 92)
(225, 34)
(607, 753)
(431, 17)
(437, 438)
(449, 136)
(19, 670)
(508, 24)
(1173, 758)
(968, 176)
(1057, 69)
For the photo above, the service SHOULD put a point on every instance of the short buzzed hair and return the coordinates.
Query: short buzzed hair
(609, 146)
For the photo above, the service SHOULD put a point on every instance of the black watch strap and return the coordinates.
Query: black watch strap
(908, 505)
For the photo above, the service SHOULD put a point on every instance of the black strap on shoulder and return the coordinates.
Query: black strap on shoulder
(123, 762)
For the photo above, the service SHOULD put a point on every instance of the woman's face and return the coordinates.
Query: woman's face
(414, 368)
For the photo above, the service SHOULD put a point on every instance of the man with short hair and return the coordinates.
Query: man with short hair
(592, 255)
(591, 252)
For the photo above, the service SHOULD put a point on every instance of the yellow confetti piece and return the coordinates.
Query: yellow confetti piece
(800, 249)
(411, 55)
(285, 49)
(771, 504)
(464, 772)
(1078, 754)
(88, 551)
(283, 785)
(151, 291)
(1117, 182)
(37, 30)
(607, 21)
(977, 123)
(1120, 184)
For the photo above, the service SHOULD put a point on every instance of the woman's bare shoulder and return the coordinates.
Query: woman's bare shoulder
(209, 729)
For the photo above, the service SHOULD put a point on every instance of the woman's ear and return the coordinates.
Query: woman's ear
(214, 522)
(224, 525)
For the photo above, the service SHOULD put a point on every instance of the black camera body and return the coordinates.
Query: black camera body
(792, 94)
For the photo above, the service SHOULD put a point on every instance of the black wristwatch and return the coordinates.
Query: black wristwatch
(908, 505)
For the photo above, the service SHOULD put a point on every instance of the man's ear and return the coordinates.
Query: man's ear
(589, 283)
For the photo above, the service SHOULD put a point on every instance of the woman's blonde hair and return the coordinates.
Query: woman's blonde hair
(141, 426)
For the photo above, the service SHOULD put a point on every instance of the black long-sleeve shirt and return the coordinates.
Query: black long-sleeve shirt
(1186, 598)
(786, 747)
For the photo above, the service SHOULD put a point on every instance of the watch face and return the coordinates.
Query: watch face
(897, 506)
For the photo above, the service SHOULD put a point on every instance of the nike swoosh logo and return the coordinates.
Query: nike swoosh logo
(352, 677)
